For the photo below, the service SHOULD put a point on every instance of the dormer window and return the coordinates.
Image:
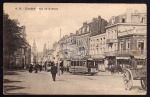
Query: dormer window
(113, 20)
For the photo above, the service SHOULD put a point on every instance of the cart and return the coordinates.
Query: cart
(135, 74)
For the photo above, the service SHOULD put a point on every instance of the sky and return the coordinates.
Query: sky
(44, 25)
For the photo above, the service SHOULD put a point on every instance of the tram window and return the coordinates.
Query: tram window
(77, 63)
(71, 63)
(81, 63)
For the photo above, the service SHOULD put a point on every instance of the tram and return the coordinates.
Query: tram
(83, 67)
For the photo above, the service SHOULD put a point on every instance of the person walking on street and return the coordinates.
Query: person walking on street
(53, 71)
(30, 68)
(40, 68)
(62, 70)
(36, 68)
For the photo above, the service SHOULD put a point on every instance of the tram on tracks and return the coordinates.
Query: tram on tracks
(83, 66)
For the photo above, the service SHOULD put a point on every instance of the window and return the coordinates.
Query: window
(114, 46)
(104, 49)
(142, 20)
(22, 51)
(141, 45)
(128, 44)
(121, 45)
(123, 20)
(96, 50)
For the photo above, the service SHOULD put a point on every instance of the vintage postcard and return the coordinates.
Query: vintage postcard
(74, 49)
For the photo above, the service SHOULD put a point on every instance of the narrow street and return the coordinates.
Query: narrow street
(25, 83)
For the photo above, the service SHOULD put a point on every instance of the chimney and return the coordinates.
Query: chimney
(94, 19)
(71, 34)
(136, 12)
(84, 24)
(77, 32)
(99, 17)
(129, 13)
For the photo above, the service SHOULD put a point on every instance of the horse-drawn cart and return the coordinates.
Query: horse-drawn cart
(135, 74)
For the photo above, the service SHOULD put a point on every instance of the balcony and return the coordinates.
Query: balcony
(132, 52)
(111, 40)
(112, 53)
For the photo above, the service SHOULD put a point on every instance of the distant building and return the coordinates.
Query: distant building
(34, 53)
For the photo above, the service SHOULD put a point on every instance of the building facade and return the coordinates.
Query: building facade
(97, 49)
(132, 48)
(119, 24)
(23, 53)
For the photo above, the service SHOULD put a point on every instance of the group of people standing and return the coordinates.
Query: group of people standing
(35, 68)
(53, 70)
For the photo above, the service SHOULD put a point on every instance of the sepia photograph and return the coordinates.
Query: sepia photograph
(74, 49)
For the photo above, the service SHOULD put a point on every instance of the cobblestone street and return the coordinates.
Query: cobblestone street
(25, 83)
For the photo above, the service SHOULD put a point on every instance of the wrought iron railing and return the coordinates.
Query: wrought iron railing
(127, 52)
(132, 52)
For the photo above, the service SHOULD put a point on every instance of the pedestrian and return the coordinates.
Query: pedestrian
(62, 70)
(112, 69)
(67, 68)
(53, 71)
(40, 68)
(30, 68)
(36, 68)
(89, 68)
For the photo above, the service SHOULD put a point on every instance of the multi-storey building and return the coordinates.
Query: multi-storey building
(23, 53)
(118, 24)
(132, 48)
(83, 36)
(96, 27)
(97, 49)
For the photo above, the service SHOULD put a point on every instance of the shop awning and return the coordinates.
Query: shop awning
(140, 57)
(125, 58)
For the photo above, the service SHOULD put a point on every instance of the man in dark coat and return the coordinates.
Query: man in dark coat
(62, 70)
(53, 71)
(30, 68)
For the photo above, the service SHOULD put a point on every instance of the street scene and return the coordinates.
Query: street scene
(67, 84)
(74, 49)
